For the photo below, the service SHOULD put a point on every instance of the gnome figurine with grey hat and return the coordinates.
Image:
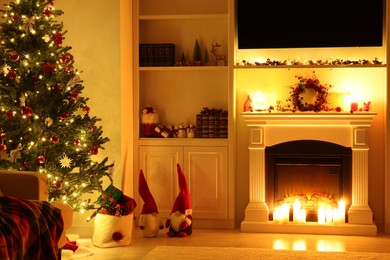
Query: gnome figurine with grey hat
(150, 221)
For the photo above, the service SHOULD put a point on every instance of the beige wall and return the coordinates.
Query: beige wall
(94, 35)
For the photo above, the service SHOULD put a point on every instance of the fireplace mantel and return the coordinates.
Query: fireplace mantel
(347, 129)
(308, 118)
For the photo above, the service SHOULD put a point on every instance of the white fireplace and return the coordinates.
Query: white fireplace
(345, 129)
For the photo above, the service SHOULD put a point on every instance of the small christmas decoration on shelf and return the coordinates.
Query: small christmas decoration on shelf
(180, 219)
(191, 131)
(365, 108)
(150, 120)
(150, 221)
(248, 105)
(217, 57)
(212, 123)
(163, 131)
(182, 133)
(197, 54)
(113, 218)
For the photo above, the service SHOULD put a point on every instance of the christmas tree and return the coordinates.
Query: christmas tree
(45, 123)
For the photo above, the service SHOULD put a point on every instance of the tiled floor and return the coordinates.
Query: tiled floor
(140, 246)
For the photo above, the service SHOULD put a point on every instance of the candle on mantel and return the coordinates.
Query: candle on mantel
(354, 106)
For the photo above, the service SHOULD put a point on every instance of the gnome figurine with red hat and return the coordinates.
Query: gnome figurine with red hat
(150, 221)
(180, 219)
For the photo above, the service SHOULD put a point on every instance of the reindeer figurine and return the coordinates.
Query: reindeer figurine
(216, 57)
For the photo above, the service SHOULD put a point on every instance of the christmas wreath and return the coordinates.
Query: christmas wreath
(308, 83)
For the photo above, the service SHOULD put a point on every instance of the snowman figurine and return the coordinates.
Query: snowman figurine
(191, 131)
(182, 133)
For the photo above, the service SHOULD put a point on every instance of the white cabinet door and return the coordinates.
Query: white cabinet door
(207, 175)
(159, 166)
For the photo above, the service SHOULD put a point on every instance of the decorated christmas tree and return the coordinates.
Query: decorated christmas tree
(45, 123)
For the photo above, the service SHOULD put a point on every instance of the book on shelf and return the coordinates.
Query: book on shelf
(212, 123)
(156, 54)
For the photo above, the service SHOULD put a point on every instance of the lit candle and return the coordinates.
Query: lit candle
(321, 215)
(277, 215)
(336, 216)
(341, 210)
(296, 211)
(354, 106)
(329, 215)
(286, 213)
(302, 216)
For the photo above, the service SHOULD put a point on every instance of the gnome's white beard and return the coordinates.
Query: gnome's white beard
(176, 219)
(151, 223)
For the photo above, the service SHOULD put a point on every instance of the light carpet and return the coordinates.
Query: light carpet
(190, 252)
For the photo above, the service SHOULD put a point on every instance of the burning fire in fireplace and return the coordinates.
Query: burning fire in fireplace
(309, 208)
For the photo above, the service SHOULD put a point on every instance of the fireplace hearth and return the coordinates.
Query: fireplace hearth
(308, 154)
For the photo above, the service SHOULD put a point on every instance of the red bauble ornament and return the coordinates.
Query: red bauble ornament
(57, 38)
(55, 139)
(86, 110)
(68, 70)
(15, 57)
(117, 236)
(47, 13)
(58, 185)
(10, 114)
(3, 148)
(94, 150)
(76, 142)
(11, 74)
(41, 159)
(63, 58)
(27, 111)
(48, 68)
(64, 116)
(92, 128)
(70, 57)
(74, 95)
(15, 17)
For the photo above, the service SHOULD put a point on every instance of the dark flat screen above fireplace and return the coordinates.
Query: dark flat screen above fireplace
(309, 24)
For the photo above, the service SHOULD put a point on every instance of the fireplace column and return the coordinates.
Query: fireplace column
(256, 210)
(360, 212)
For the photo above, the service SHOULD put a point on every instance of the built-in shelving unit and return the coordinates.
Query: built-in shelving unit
(178, 94)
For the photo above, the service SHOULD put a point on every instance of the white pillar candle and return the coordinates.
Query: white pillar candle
(336, 216)
(341, 211)
(296, 211)
(285, 213)
(329, 215)
(302, 216)
(321, 215)
(277, 215)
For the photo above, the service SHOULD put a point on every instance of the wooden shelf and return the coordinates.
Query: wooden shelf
(184, 17)
(184, 68)
(309, 66)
